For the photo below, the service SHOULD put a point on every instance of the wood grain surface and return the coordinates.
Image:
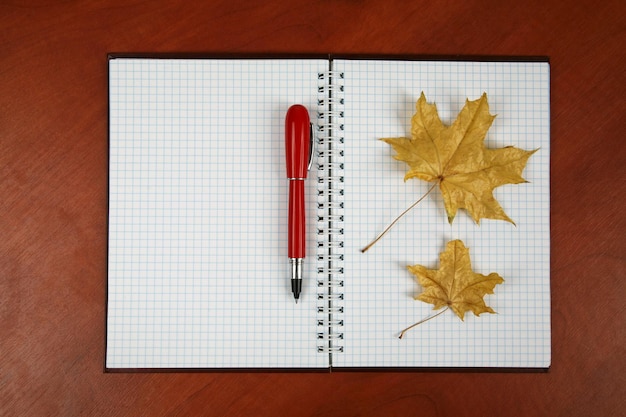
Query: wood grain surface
(53, 202)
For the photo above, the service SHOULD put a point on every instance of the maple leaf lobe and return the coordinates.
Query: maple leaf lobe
(454, 284)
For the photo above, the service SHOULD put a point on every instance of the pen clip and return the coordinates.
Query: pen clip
(311, 146)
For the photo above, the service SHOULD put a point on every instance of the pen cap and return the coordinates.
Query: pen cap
(297, 141)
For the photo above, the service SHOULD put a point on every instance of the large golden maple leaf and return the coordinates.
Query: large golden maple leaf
(455, 157)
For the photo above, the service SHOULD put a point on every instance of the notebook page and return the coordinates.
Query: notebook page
(380, 99)
(198, 272)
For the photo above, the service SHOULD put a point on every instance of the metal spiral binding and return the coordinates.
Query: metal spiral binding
(330, 165)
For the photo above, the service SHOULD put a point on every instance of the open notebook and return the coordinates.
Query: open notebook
(197, 257)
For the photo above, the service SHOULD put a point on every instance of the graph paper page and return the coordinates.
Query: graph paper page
(380, 99)
(198, 273)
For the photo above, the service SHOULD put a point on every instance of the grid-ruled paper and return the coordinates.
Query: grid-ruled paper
(197, 273)
(380, 99)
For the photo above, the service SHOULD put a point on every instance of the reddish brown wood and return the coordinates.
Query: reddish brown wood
(53, 201)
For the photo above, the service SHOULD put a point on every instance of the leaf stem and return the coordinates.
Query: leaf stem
(397, 219)
(421, 321)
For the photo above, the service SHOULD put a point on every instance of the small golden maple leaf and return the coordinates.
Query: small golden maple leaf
(455, 157)
(454, 284)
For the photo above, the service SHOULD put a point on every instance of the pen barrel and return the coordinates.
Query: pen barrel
(297, 235)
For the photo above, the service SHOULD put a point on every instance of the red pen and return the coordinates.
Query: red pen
(298, 148)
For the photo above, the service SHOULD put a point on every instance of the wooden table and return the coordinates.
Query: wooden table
(53, 202)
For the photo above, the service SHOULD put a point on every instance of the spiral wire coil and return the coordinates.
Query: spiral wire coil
(330, 165)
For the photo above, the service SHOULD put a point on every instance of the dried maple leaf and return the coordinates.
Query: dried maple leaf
(454, 285)
(455, 158)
